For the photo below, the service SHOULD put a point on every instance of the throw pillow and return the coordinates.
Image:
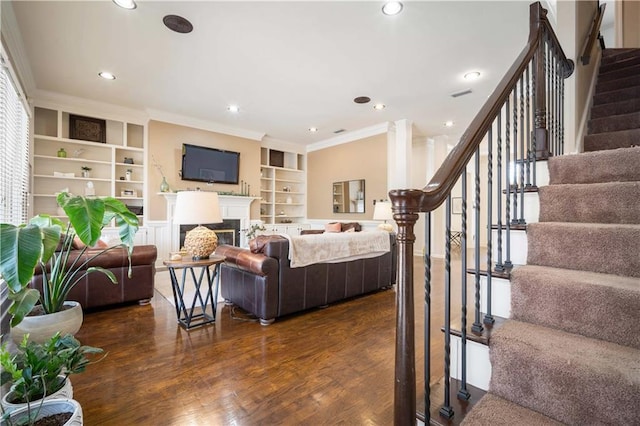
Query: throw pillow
(351, 225)
(333, 227)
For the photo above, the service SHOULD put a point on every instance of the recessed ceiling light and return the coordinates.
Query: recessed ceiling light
(126, 4)
(313, 129)
(473, 75)
(107, 75)
(448, 123)
(392, 8)
(379, 106)
(233, 108)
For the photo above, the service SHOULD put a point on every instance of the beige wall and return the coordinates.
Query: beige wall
(364, 159)
(631, 24)
(165, 145)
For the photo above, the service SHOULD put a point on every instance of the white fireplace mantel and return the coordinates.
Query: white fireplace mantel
(231, 207)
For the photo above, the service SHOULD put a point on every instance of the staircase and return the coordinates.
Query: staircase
(570, 354)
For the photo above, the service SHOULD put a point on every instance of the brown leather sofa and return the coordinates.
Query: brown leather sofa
(96, 290)
(265, 284)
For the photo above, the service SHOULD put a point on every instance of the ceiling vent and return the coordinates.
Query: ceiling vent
(178, 24)
(461, 93)
(339, 131)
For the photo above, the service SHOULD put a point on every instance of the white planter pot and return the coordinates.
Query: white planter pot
(51, 407)
(65, 392)
(41, 327)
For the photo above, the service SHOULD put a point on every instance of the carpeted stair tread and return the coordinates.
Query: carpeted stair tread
(571, 378)
(615, 108)
(605, 248)
(612, 140)
(593, 167)
(629, 60)
(615, 123)
(619, 73)
(595, 305)
(622, 83)
(492, 410)
(617, 95)
(618, 54)
(609, 202)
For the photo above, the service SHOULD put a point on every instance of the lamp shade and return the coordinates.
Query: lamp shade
(382, 211)
(197, 207)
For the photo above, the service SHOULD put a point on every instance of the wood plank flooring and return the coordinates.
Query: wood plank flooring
(324, 366)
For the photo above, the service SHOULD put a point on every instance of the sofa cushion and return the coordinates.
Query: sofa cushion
(333, 227)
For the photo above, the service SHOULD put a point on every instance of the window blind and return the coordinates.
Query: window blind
(14, 150)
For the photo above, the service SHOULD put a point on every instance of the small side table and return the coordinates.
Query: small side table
(187, 317)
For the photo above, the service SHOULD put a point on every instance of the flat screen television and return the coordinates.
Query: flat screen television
(203, 164)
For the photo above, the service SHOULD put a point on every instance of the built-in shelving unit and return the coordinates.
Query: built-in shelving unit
(116, 166)
(282, 187)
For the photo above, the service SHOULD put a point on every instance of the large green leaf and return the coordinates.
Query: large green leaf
(51, 229)
(23, 302)
(126, 221)
(85, 216)
(21, 250)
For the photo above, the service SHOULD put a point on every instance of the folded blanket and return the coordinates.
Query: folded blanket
(336, 247)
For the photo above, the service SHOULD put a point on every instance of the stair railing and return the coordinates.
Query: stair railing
(521, 122)
(594, 34)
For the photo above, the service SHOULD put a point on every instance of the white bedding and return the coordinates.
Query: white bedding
(336, 247)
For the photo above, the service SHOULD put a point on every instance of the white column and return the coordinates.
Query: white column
(399, 147)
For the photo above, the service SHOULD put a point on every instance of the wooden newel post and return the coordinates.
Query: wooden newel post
(541, 134)
(405, 207)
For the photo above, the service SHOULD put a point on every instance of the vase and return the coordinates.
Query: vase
(41, 327)
(65, 392)
(164, 186)
(51, 407)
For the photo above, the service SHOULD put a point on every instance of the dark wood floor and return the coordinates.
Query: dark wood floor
(325, 366)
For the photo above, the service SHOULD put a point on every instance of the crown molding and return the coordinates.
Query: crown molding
(355, 135)
(273, 143)
(15, 46)
(197, 123)
(82, 106)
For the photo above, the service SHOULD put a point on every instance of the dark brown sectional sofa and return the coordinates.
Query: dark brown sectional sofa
(265, 284)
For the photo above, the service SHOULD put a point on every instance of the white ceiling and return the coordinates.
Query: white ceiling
(288, 65)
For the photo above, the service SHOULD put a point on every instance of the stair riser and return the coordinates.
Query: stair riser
(617, 95)
(500, 296)
(478, 363)
(605, 249)
(614, 123)
(616, 108)
(594, 203)
(612, 140)
(518, 246)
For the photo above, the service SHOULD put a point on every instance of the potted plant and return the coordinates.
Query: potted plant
(85, 171)
(41, 370)
(55, 412)
(46, 242)
(253, 230)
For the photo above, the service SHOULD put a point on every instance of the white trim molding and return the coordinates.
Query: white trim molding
(355, 135)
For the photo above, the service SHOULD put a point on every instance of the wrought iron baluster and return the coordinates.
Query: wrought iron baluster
(477, 326)
(513, 186)
(463, 393)
(521, 220)
(488, 318)
(529, 138)
(507, 210)
(446, 410)
(499, 265)
(562, 116)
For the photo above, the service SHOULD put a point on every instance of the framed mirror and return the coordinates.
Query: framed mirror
(348, 196)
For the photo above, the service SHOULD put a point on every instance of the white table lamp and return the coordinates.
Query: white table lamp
(197, 208)
(382, 211)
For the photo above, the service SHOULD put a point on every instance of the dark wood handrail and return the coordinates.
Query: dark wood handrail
(445, 178)
(593, 34)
